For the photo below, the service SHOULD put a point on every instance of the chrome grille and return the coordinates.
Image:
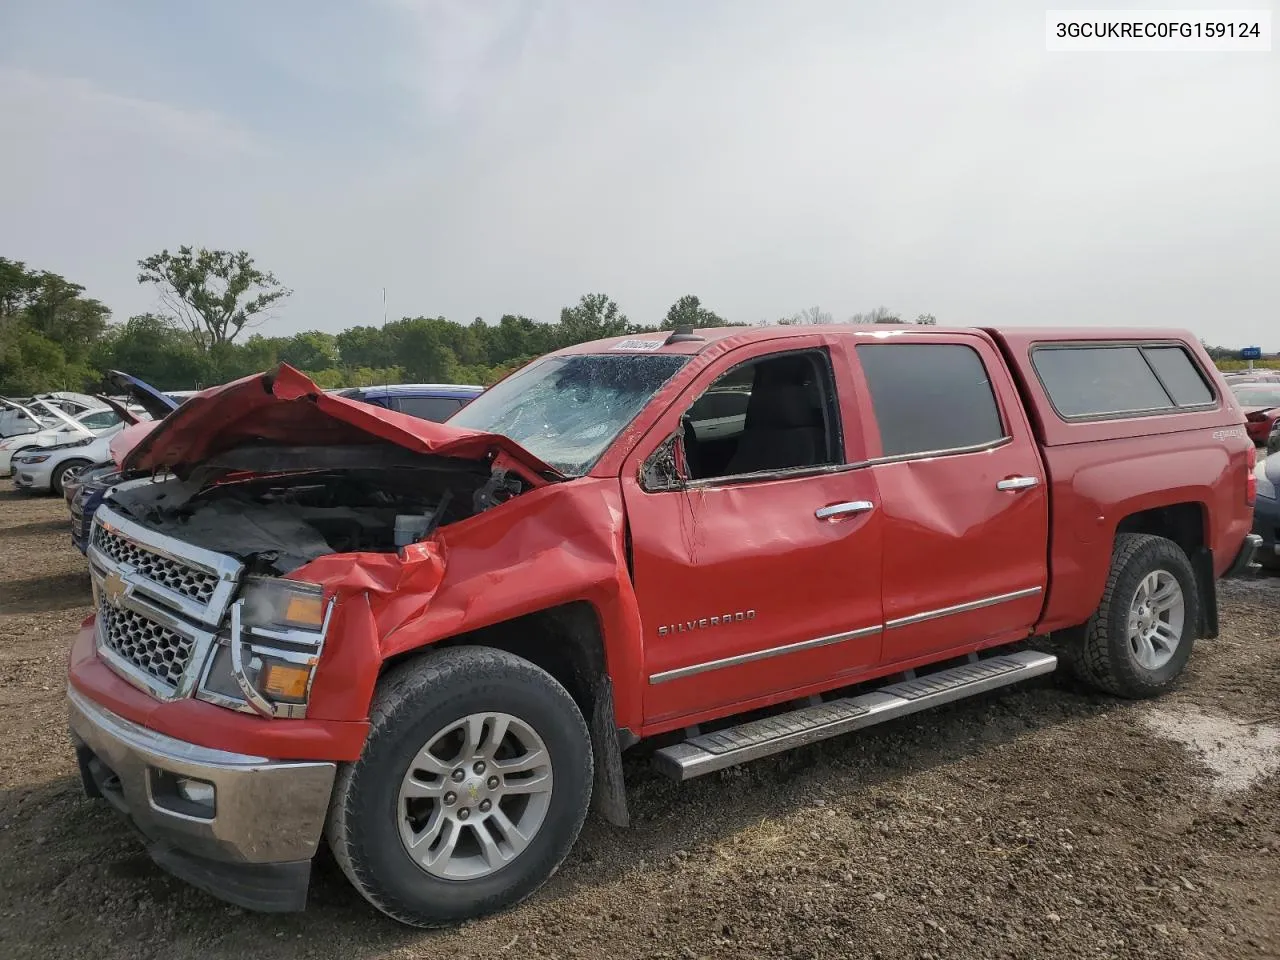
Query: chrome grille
(152, 648)
(188, 581)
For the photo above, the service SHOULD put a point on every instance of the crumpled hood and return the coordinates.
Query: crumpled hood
(285, 406)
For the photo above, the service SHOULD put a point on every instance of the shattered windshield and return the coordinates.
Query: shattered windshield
(567, 410)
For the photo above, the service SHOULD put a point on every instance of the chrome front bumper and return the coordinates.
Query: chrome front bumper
(252, 845)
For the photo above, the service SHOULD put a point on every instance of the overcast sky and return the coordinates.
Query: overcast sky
(481, 157)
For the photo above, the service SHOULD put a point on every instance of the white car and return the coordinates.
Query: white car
(87, 425)
(47, 468)
(17, 417)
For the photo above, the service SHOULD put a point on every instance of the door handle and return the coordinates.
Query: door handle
(843, 509)
(1018, 483)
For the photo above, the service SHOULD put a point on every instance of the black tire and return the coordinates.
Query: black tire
(1100, 651)
(412, 702)
(60, 474)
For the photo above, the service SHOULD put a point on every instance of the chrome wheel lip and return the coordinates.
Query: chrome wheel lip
(1157, 616)
(472, 810)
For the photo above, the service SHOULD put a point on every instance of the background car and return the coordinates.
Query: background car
(85, 492)
(88, 424)
(1261, 402)
(17, 416)
(47, 468)
(1266, 511)
(426, 401)
(85, 489)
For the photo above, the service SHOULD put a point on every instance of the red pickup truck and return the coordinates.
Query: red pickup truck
(430, 644)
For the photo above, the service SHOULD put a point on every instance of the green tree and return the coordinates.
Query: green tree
(212, 294)
(311, 350)
(17, 288)
(688, 310)
(57, 310)
(362, 346)
(151, 348)
(594, 316)
(48, 330)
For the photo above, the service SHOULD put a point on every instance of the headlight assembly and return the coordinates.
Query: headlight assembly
(267, 661)
(282, 604)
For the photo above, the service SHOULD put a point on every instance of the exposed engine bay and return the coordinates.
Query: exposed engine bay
(277, 508)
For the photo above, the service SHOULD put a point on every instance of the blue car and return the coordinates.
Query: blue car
(85, 491)
(427, 401)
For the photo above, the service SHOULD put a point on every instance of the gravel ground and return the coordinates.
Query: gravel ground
(1039, 822)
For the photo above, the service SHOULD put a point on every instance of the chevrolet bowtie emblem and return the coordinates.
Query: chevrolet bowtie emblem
(114, 588)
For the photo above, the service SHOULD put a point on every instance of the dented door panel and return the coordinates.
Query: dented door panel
(965, 531)
(752, 589)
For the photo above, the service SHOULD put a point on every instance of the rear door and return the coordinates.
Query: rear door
(963, 494)
(759, 577)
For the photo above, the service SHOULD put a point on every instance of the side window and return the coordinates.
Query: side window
(929, 397)
(1099, 381)
(429, 408)
(776, 412)
(1181, 377)
(100, 421)
(721, 412)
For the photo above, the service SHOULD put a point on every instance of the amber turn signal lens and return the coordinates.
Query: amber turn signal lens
(304, 610)
(286, 681)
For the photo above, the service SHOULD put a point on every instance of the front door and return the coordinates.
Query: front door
(759, 574)
(963, 490)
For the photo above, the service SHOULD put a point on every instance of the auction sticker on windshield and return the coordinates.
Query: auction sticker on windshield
(641, 345)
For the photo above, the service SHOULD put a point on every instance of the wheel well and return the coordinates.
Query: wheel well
(565, 641)
(1184, 524)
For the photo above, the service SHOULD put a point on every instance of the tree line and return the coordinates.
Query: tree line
(55, 337)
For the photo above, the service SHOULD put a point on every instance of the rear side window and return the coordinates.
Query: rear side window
(930, 397)
(429, 408)
(1104, 381)
(1180, 376)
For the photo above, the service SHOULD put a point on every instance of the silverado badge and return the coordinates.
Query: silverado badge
(114, 588)
(703, 623)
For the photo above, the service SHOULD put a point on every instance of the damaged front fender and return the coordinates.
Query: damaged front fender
(561, 544)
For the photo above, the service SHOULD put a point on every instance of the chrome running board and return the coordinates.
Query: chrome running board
(759, 738)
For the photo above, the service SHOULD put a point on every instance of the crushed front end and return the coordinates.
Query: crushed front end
(246, 562)
(169, 620)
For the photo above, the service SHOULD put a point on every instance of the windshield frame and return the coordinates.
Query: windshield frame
(522, 383)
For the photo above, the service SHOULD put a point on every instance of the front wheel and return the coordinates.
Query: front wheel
(1138, 641)
(62, 472)
(473, 786)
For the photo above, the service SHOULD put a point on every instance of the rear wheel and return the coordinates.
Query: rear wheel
(472, 787)
(61, 472)
(1138, 641)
